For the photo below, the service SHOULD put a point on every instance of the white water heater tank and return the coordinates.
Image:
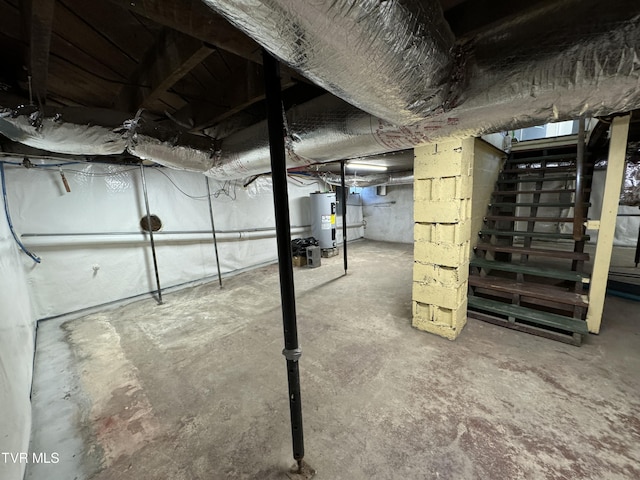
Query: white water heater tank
(323, 219)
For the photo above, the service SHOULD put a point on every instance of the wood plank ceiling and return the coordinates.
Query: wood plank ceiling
(173, 57)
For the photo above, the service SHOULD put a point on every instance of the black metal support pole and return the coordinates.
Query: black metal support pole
(213, 230)
(153, 245)
(291, 350)
(344, 217)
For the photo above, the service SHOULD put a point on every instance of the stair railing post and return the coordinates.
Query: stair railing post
(578, 209)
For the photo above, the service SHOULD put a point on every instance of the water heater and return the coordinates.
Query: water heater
(323, 219)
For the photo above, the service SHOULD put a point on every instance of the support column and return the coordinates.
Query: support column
(608, 217)
(443, 186)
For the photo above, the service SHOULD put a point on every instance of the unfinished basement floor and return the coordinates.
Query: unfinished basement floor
(196, 388)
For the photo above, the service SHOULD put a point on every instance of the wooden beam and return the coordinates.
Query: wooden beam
(608, 217)
(233, 109)
(38, 16)
(195, 19)
(168, 60)
(236, 96)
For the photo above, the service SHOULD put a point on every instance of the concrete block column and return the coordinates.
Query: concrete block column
(443, 174)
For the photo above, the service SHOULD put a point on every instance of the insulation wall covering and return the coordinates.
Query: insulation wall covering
(17, 330)
(84, 264)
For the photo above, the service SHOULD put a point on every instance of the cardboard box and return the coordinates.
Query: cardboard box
(299, 261)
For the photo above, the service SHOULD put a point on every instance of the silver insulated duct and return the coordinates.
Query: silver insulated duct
(400, 178)
(390, 58)
(560, 60)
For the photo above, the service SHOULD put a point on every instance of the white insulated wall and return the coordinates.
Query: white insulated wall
(80, 271)
(388, 218)
(17, 327)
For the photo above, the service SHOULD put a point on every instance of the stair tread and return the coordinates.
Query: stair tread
(545, 292)
(529, 270)
(538, 252)
(548, 178)
(539, 158)
(520, 233)
(538, 204)
(547, 168)
(536, 316)
(542, 191)
(512, 218)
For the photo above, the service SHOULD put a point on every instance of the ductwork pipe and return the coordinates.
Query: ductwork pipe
(73, 131)
(402, 178)
(391, 58)
(590, 71)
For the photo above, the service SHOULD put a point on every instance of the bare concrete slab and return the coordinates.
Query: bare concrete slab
(196, 388)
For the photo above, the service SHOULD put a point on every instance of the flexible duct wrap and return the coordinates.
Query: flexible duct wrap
(370, 53)
(630, 194)
(400, 178)
(57, 135)
(390, 58)
(596, 74)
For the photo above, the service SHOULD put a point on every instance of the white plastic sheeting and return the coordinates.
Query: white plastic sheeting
(626, 233)
(17, 327)
(355, 220)
(80, 272)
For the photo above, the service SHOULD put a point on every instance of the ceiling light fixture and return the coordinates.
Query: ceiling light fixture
(366, 166)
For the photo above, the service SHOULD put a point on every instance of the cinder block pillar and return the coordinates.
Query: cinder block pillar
(443, 174)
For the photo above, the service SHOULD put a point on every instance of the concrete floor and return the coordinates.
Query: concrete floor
(196, 388)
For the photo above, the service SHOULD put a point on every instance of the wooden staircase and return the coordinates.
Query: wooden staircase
(527, 273)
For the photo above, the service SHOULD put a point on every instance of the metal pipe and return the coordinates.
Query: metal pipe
(164, 232)
(294, 229)
(578, 209)
(153, 245)
(45, 240)
(344, 217)
(213, 230)
(291, 350)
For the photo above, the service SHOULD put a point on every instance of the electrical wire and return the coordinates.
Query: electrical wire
(306, 184)
(225, 189)
(33, 256)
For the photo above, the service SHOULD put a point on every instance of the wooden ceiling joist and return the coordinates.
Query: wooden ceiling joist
(169, 60)
(195, 19)
(38, 19)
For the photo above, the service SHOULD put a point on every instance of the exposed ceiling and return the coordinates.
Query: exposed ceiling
(179, 60)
